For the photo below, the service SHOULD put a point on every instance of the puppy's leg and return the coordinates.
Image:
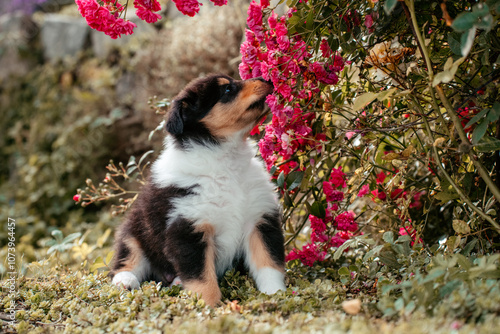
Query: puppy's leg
(193, 252)
(265, 254)
(130, 265)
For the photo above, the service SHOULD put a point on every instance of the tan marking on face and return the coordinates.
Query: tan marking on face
(259, 253)
(207, 286)
(223, 81)
(135, 256)
(227, 118)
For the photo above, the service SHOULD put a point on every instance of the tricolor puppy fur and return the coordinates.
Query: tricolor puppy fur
(209, 204)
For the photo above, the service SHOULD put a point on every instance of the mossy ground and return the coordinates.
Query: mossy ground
(67, 301)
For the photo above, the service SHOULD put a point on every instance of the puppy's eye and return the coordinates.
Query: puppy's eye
(228, 89)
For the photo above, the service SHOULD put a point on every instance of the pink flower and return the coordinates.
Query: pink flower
(332, 195)
(381, 177)
(378, 194)
(147, 15)
(308, 255)
(76, 198)
(188, 7)
(339, 238)
(326, 51)
(145, 10)
(365, 189)
(349, 134)
(337, 178)
(317, 224)
(219, 2)
(254, 20)
(345, 221)
(368, 21)
(101, 19)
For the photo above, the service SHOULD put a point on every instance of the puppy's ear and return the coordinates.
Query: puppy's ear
(175, 121)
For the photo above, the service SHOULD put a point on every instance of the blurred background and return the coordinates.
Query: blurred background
(71, 99)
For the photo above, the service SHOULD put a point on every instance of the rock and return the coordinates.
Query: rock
(352, 306)
(63, 36)
(17, 32)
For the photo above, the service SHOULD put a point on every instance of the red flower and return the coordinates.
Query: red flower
(219, 2)
(317, 224)
(100, 18)
(188, 7)
(76, 198)
(365, 189)
(337, 178)
(345, 221)
(381, 177)
(308, 255)
(379, 194)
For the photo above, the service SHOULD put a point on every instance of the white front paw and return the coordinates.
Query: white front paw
(270, 280)
(126, 279)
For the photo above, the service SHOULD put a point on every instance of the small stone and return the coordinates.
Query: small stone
(352, 306)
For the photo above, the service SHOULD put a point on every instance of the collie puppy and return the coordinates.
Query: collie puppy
(209, 203)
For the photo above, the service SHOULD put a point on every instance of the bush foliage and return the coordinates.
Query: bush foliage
(383, 142)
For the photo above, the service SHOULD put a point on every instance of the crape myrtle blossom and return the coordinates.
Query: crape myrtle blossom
(269, 51)
(330, 231)
(298, 74)
(105, 15)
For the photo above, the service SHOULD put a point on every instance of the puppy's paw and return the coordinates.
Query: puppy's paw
(176, 282)
(127, 280)
(270, 280)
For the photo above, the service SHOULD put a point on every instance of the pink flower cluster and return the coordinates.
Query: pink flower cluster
(322, 229)
(105, 15)
(145, 10)
(297, 74)
(188, 7)
(192, 7)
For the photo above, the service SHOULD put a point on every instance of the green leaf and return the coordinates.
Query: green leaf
(463, 261)
(131, 161)
(310, 20)
(144, 156)
(454, 43)
(494, 113)
(287, 200)
(318, 210)
(469, 247)
(467, 40)
(386, 94)
(131, 169)
(446, 196)
(479, 131)
(476, 118)
(373, 252)
(488, 144)
(109, 257)
(450, 68)
(344, 271)
(460, 226)
(464, 21)
(388, 237)
(57, 234)
(71, 237)
(449, 288)
(433, 275)
(281, 180)
(363, 100)
(389, 6)
(294, 179)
